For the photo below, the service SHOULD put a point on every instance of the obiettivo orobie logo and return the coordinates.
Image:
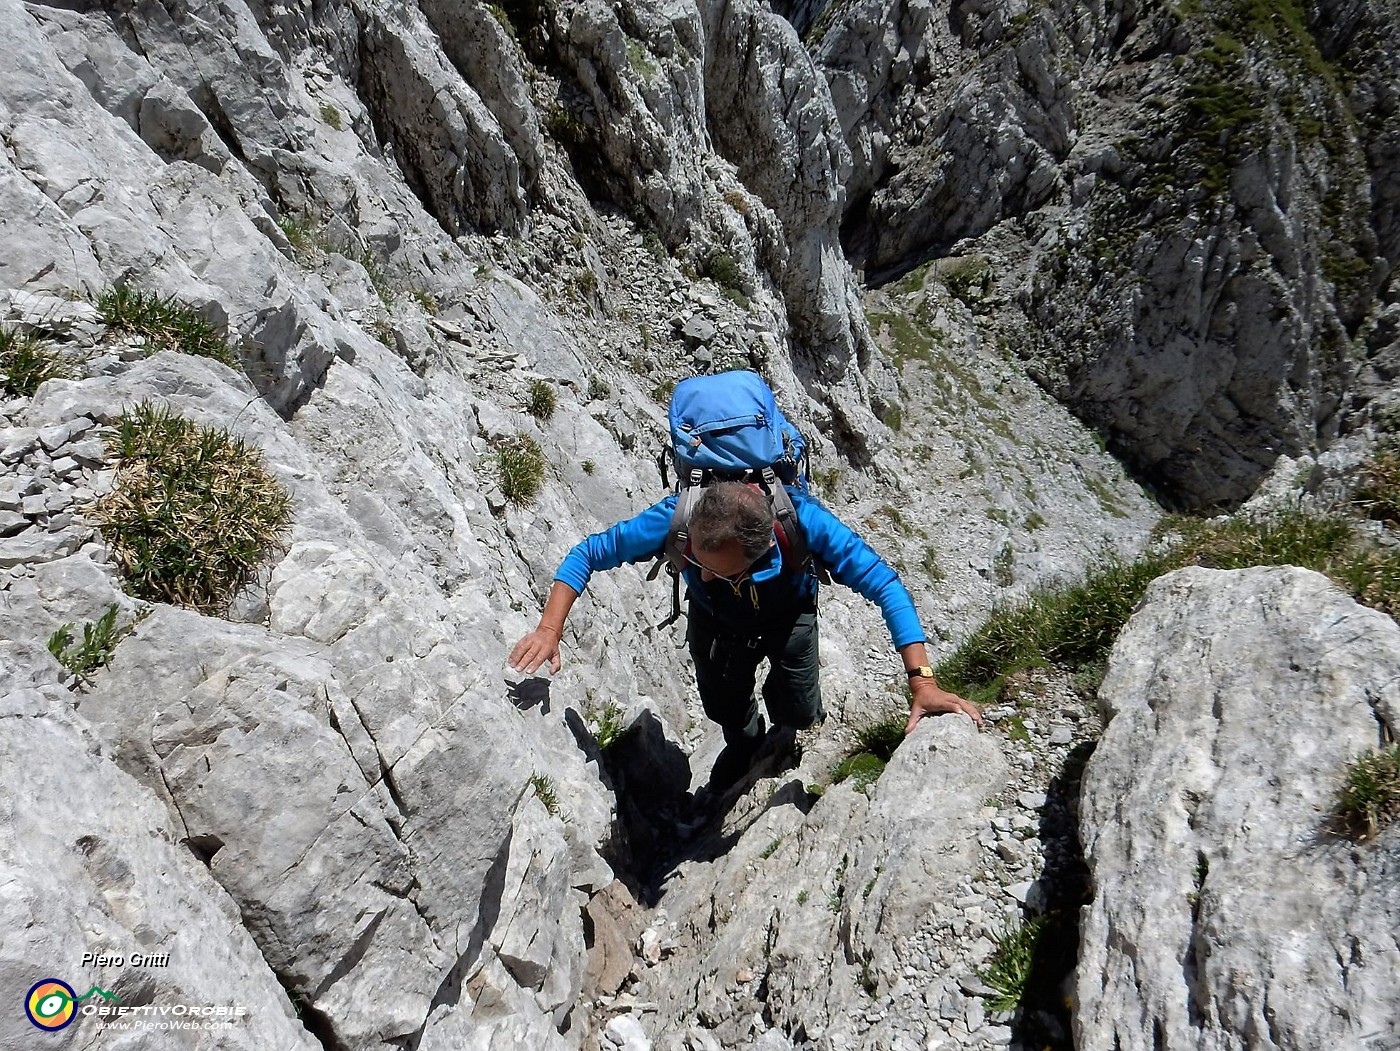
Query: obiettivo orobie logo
(52, 1004)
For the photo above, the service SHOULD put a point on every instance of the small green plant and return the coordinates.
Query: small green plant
(661, 393)
(867, 889)
(861, 769)
(874, 748)
(193, 511)
(377, 278)
(162, 322)
(802, 897)
(724, 270)
(26, 362)
(771, 849)
(304, 233)
(499, 14)
(331, 116)
(868, 981)
(542, 400)
(588, 466)
(1369, 799)
(641, 59)
(384, 332)
(1198, 880)
(931, 565)
(520, 464)
(653, 245)
(426, 300)
(95, 651)
(1016, 730)
(605, 723)
(1009, 969)
(598, 388)
(586, 282)
(1003, 567)
(566, 127)
(966, 277)
(545, 792)
(882, 738)
(826, 480)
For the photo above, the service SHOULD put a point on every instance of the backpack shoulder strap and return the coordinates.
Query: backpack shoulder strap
(791, 537)
(678, 533)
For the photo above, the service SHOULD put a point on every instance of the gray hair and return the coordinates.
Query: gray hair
(732, 511)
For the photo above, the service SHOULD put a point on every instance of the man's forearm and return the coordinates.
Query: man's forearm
(913, 655)
(557, 606)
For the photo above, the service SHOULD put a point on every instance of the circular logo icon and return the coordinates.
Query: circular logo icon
(50, 1004)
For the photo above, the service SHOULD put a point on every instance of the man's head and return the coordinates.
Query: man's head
(730, 515)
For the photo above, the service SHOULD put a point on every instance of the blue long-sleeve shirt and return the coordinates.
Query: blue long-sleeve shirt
(766, 594)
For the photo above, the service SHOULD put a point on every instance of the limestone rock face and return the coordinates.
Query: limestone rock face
(454, 149)
(713, 120)
(349, 774)
(771, 115)
(1185, 221)
(89, 863)
(1226, 914)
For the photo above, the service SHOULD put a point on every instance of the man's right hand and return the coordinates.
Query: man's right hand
(535, 649)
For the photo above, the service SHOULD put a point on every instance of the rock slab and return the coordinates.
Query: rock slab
(1227, 915)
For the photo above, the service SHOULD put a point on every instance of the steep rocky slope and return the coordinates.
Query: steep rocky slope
(409, 216)
(1181, 216)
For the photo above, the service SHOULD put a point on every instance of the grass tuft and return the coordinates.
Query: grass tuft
(1009, 969)
(605, 723)
(542, 400)
(724, 270)
(1369, 799)
(545, 792)
(193, 511)
(875, 747)
(520, 464)
(598, 388)
(305, 234)
(163, 322)
(26, 362)
(1074, 627)
(1379, 492)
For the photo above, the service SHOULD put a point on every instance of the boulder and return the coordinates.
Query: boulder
(1228, 914)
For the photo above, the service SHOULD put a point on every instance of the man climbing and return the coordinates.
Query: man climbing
(749, 599)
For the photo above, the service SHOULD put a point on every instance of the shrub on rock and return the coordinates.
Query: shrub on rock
(193, 511)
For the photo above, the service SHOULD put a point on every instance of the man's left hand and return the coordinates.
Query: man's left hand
(932, 699)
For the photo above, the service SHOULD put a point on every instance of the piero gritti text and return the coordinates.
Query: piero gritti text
(136, 959)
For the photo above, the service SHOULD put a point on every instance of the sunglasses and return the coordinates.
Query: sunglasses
(732, 578)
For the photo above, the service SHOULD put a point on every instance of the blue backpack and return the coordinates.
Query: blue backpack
(729, 428)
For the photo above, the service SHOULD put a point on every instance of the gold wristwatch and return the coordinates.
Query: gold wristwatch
(923, 671)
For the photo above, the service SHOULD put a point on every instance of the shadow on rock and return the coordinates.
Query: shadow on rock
(1044, 1019)
(664, 825)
